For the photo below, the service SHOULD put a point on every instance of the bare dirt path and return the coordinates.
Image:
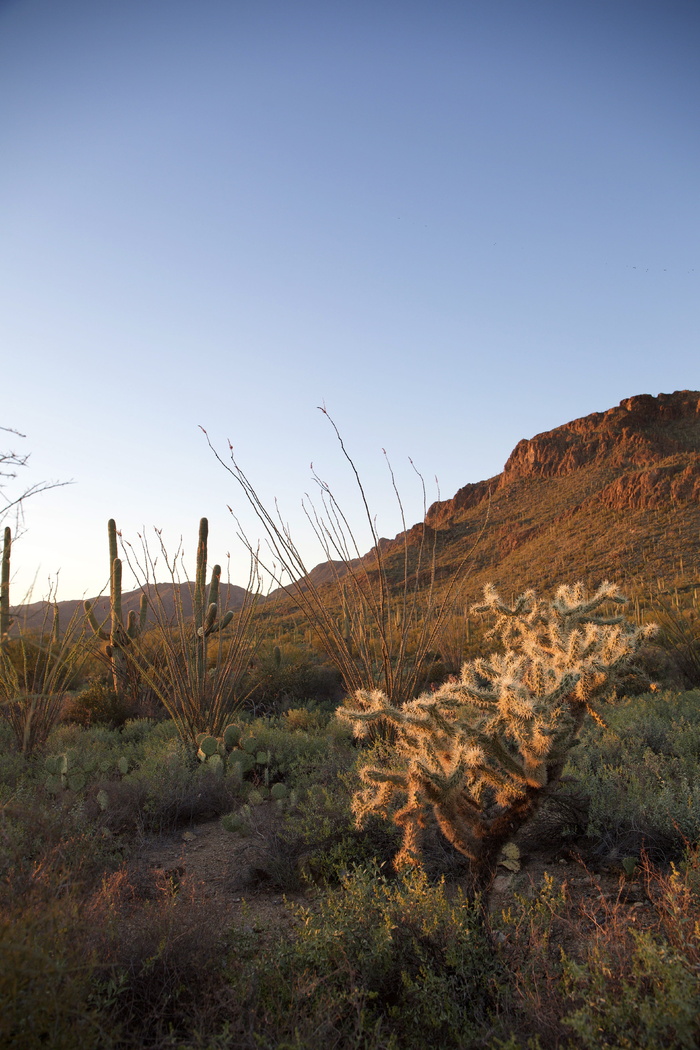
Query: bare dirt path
(222, 869)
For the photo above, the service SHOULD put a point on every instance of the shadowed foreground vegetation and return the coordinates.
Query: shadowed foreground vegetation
(98, 950)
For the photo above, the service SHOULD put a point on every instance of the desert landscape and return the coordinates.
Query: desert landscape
(445, 793)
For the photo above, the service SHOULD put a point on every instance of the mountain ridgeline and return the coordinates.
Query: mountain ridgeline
(613, 495)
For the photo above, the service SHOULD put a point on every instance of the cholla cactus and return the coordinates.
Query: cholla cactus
(483, 751)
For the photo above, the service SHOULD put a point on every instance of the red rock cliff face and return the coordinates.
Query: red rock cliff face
(444, 511)
(655, 487)
(641, 431)
(651, 443)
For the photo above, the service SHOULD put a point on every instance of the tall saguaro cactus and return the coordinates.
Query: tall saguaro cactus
(120, 635)
(5, 618)
(198, 674)
(207, 620)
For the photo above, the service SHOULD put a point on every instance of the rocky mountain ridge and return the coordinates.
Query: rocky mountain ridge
(615, 494)
(653, 442)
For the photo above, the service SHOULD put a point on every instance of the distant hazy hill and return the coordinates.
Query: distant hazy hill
(33, 615)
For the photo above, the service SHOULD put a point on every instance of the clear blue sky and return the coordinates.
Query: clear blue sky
(457, 224)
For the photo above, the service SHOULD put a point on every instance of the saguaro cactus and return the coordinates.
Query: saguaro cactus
(5, 618)
(481, 753)
(207, 620)
(120, 635)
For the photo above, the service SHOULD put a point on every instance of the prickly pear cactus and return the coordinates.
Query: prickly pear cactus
(510, 857)
(72, 771)
(232, 736)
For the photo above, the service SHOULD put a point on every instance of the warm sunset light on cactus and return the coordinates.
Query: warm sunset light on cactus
(480, 753)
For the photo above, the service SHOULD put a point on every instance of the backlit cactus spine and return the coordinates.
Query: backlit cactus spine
(121, 634)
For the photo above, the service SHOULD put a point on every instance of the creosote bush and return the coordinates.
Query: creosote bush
(480, 753)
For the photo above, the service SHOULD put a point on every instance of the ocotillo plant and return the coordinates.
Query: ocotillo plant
(195, 669)
(393, 607)
(481, 753)
(36, 669)
(120, 635)
(5, 618)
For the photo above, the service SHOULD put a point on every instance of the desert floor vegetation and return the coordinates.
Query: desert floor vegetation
(159, 892)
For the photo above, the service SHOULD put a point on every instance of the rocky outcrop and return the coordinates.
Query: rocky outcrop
(654, 487)
(640, 431)
(444, 511)
(633, 440)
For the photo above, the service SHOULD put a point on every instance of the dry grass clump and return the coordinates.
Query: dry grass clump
(160, 949)
(606, 968)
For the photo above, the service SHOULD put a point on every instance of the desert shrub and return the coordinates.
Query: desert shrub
(304, 756)
(530, 933)
(100, 752)
(50, 851)
(13, 764)
(166, 790)
(379, 964)
(139, 778)
(642, 774)
(45, 983)
(159, 950)
(653, 1004)
(641, 988)
(322, 835)
(587, 971)
(316, 839)
(98, 703)
(304, 718)
(290, 677)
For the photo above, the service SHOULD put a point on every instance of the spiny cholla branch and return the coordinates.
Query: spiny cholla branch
(481, 752)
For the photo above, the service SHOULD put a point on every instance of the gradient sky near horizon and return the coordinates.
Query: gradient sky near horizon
(455, 224)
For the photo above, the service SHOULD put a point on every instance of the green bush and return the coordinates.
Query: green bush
(98, 703)
(321, 832)
(45, 981)
(302, 756)
(138, 778)
(379, 964)
(642, 774)
(655, 1005)
(290, 677)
